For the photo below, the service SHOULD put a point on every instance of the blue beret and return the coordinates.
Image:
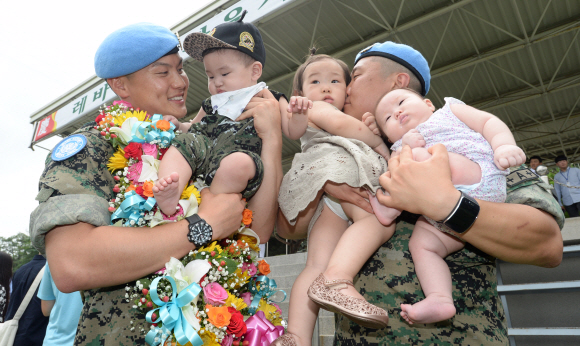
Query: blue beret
(132, 48)
(404, 55)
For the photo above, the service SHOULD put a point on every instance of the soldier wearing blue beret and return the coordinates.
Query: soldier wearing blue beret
(71, 224)
(525, 229)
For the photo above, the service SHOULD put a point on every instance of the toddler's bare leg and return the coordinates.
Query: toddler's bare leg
(233, 174)
(322, 240)
(463, 170)
(428, 247)
(174, 173)
(356, 246)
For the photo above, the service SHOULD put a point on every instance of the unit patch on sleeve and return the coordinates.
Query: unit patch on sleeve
(68, 147)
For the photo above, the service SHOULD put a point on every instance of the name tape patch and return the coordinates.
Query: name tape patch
(68, 147)
(520, 176)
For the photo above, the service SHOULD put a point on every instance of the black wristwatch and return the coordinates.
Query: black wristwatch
(200, 233)
(464, 214)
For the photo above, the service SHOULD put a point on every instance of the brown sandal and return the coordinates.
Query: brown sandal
(326, 294)
(287, 339)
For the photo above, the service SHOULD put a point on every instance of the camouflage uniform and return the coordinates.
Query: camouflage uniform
(77, 190)
(217, 136)
(388, 279)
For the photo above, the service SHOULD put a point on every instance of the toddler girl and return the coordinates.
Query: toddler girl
(475, 140)
(338, 149)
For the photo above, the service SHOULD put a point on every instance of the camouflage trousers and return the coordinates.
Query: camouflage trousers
(388, 279)
(215, 137)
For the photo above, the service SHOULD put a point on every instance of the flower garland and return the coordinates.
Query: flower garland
(216, 295)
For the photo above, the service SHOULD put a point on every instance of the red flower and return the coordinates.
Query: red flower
(162, 152)
(133, 150)
(237, 325)
(100, 118)
(139, 191)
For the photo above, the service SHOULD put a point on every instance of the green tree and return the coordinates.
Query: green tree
(20, 248)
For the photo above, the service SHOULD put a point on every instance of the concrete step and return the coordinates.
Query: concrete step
(285, 270)
(297, 258)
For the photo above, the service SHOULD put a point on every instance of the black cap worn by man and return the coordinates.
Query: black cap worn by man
(244, 37)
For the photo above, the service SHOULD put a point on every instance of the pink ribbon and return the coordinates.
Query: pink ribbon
(261, 332)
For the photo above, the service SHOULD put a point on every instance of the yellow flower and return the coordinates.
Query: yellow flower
(235, 302)
(271, 312)
(209, 338)
(188, 191)
(120, 119)
(243, 277)
(251, 241)
(212, 247)
(117, 161)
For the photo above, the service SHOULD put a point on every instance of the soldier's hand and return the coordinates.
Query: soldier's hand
(265, 110)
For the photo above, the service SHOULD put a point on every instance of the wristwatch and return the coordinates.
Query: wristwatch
(200, 233)
(464, 214)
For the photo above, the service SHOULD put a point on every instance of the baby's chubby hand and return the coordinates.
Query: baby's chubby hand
(413, 139)
(508, 155)
(369, 120)
(298, 105)
(183, 127)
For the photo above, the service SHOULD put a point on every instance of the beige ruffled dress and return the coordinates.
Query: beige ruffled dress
(326, 157)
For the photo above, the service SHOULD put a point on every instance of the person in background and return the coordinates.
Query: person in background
(32, 324)
(5, 276)
(63, 310)
(535, 161)
(567, 186)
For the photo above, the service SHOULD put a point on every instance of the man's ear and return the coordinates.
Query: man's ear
(256, 70)
(119, 86)
(402, 80)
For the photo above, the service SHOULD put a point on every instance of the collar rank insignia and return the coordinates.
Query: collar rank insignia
(68, 147)
(520, 176)
(246, 40)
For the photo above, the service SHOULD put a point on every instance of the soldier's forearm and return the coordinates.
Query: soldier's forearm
(82, 256)
(516, 233)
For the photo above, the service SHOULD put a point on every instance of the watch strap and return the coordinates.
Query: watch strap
(193, 219)
(463, 215)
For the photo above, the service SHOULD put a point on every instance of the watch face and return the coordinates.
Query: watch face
(200, 233)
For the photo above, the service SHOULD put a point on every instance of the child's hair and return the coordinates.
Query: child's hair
(383, 134)
(243, 57)
(299, 76)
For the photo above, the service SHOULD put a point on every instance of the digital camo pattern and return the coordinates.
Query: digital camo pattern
(388, 279)
(538, 195)
(216, 137)
(83, 179)
(109, 319)
(77, 189)
(66, 210)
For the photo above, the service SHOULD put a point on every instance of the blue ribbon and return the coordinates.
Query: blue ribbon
(171, 316)
(267, 289)
(147, 132)
(132, 207)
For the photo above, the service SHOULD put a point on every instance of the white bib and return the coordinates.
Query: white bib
(232, 103)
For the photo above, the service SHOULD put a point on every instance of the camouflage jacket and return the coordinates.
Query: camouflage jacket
(77, 190)
(388, 279)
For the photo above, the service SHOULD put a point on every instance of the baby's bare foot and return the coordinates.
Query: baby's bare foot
(384, 214)
(166, 192)
(432, 309)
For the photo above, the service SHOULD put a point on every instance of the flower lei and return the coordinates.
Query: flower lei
(217, 295)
